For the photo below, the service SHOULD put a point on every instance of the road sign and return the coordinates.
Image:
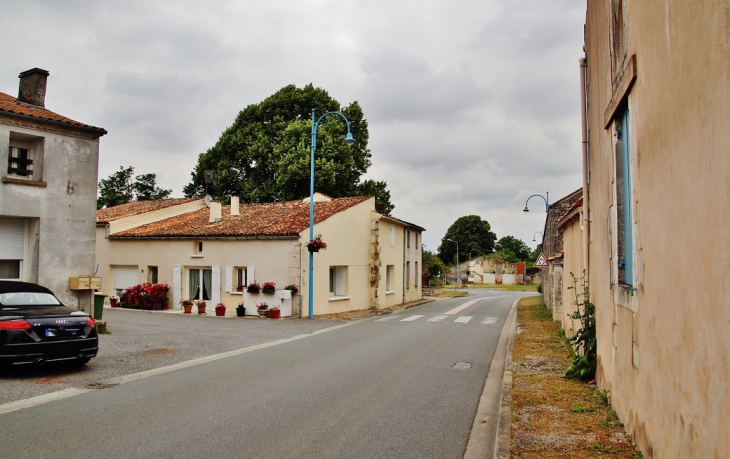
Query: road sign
(541, 261)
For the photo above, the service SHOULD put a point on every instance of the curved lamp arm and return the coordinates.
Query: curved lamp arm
(547, 203)
(533, 236)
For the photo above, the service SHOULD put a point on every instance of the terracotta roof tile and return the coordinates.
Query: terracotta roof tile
(11, 106)
(254, 220)
(110, 214)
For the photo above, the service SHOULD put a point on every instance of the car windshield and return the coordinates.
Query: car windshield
(20, 299)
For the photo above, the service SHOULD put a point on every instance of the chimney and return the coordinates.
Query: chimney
(33, 87)
(380, 207)
(215, 212)
(234, 205)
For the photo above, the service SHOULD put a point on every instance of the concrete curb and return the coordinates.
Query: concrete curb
(490, 429)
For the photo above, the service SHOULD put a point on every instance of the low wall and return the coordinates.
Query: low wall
(432, 291)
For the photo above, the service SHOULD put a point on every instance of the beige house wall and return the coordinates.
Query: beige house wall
(391, 253)
(412, 254)
(572, 263)
(663, 348)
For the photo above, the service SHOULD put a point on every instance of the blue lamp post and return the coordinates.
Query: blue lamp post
(545, 198)
(349, 140)
(534, 235)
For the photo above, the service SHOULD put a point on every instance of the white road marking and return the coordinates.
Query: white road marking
(411, 318)
(458, 309)
(386, 318)
(463, 319)
(437, 319)
(489, 321)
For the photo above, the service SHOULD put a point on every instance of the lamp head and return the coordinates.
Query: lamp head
(533, 239)
(525, 209)
(349, 140)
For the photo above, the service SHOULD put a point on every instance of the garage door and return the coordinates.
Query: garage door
(123, 277)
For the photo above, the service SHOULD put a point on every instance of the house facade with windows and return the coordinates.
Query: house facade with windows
(657, 112)
(213, 253)
(48, 198)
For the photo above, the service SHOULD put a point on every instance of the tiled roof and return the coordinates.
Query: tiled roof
(137, 207)
(403, 222)
(571, 213)
(254, 220)
(10, 105)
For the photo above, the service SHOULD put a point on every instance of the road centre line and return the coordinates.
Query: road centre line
(458, 309)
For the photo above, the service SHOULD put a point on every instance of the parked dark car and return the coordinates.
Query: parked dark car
(35, 328)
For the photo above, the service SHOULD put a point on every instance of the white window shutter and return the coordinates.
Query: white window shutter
(340, 282)
(216, 280)
(176, 286)
(250, 275)
(229, 279)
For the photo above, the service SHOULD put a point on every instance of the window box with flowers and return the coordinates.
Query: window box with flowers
(253, 288)
(316, 244)
(292, 288)
(269, 287)
(220, 309)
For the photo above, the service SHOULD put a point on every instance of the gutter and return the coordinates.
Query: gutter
(585, 222)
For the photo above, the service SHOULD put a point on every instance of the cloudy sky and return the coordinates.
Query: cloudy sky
(472, 105)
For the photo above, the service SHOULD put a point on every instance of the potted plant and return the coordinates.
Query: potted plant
(123, 299)
(239, 288)
(114, 301)
(263, 309)
(187, 305)
(292, 288)
(220, 309)
(316, 244)
(240, 310)
(253, 287)
(201, 306)
(274, 312)
(269, 287)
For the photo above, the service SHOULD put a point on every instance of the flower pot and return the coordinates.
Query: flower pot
(114, 304)
(275, 313)
(157, 305)
(220, 312)
(240, 312)
(188, 309)
(201, 309)
(312, 248)
(263, 313)
(239, 289)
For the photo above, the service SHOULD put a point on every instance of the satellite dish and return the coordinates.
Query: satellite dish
(208, 199)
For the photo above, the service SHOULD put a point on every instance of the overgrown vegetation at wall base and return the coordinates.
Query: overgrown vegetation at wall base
(584, 346)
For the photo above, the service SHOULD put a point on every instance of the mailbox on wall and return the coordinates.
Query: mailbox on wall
(84, 283)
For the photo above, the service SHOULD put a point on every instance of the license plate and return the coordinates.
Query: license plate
(54, 332)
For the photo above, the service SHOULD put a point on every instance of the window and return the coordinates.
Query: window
(408, 239)
(624, 199)
(392, 236)
(10, 269)
(152, 274)
(338, 281)
(416, 240)
(415, 270)
(25, 153)
(408, 274)
(389, 278)
(198, 248)
(123, 277)
(12, 247)
(200, 281)
(241, 280)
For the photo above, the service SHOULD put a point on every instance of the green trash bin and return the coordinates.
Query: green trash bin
(99, 304)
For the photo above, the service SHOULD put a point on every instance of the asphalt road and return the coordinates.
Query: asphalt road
(404, 385)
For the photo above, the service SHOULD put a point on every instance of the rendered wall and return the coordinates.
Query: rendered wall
(62, 214)
(572, 263)
(663, 351)
(391, 255)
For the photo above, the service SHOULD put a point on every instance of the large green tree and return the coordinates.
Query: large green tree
(264, 156)
(121, 188)
(475, 238)
(512, 249)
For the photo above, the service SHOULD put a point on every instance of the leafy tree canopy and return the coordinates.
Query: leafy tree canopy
(264, 156)
(475, 238)
(120, 188)
(512, 249)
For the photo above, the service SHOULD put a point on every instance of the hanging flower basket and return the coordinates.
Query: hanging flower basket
(316, 244)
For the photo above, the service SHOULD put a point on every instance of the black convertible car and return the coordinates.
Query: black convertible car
(35, 328)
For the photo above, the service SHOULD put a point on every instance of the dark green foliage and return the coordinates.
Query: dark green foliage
(475, 238)
(433, 267)
(264, 156)
(584, 353)
(119, 188)
(379, 190)
(512, 249)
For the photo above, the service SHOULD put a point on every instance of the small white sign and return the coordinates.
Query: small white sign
(541, 261)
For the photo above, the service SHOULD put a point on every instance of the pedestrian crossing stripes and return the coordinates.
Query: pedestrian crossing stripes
(438, 319)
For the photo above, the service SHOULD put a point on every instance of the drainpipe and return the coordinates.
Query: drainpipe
(584, 134)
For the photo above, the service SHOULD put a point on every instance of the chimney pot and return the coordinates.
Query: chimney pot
(32, 88)
(235, 206)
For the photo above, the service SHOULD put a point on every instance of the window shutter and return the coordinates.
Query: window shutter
(229, 279)
(176, 286)
(216, 281)
(124, 276)
(250, 275)
(12, 238)
(340, 275)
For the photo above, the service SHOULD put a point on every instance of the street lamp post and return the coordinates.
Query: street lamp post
(457, 262)
(533, 236)
(545, 198)
(349, 140)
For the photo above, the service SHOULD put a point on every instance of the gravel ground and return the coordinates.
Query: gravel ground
(144, 340)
